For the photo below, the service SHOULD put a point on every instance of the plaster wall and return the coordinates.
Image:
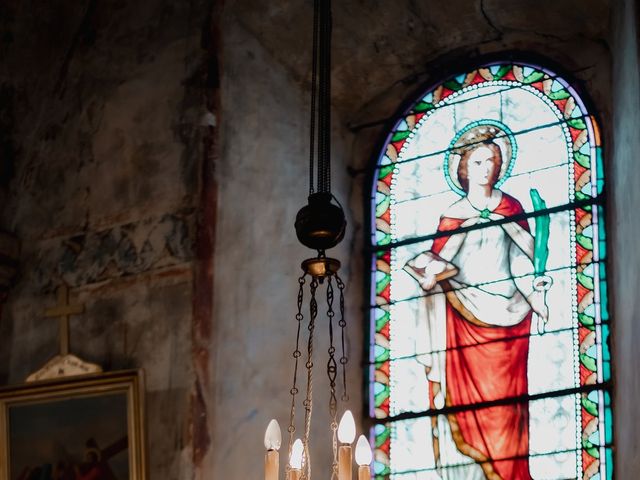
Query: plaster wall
(263, 181)
(102, 179)
(101, 152)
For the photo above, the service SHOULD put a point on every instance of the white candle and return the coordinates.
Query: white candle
(364, 457)
(272, 442)
(346, 435)
(271, 465)
(364, 473)
(295, 474)
(295, 461)
(344, 463)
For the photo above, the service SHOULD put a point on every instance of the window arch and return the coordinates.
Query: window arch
(489, 335)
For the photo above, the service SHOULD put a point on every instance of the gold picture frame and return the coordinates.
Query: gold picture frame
(78, 425)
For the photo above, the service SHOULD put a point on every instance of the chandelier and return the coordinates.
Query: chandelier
(320, 225)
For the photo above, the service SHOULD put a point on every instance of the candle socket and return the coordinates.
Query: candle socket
(271, 465)
(295, 474)
(344, 463)
(364, 473)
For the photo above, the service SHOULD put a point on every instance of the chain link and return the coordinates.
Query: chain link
(344, 359)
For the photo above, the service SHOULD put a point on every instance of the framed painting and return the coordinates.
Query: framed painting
(81, 428)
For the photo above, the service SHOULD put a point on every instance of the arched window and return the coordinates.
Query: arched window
(489, 338)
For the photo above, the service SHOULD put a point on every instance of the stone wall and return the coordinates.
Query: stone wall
(117, 188)
(625, 230)
(102, 152)
(179, 237)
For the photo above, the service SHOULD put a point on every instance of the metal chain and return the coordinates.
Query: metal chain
(324, 98)
(332, 373)
(308, 402)
(344, 359)
(314, 94)
(327, 82)
(296, 355)
(332, 367)
(321, 104)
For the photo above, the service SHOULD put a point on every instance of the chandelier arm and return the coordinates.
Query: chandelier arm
(308, 402)
(332, 371)
(344, 359)
(296, 355)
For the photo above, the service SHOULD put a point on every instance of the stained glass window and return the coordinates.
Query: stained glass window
(489, 339)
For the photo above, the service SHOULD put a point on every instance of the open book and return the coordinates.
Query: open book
(428, 263)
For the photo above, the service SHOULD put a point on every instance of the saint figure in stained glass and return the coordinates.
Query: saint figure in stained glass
(478, 311)
(489, 351)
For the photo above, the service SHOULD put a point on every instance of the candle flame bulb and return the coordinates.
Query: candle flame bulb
(364, 456)
(273, 436)
(347, 428)
(297, 453)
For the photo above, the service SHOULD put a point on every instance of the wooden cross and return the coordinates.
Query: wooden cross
(63, 311)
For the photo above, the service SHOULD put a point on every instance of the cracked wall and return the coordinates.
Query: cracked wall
(101, 154)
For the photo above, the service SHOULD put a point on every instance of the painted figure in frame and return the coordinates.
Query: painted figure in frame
(75, 438)
(481, 296)
(94, 467)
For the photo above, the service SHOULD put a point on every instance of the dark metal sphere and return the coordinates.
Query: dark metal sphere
(320, 224)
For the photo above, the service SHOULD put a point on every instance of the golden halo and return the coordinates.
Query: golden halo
(471, 137)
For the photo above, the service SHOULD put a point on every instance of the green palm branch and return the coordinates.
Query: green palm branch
(541, 241)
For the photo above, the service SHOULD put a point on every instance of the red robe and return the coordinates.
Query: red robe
(492, 366)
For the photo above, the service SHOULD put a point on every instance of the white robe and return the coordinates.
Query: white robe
(487, 259)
